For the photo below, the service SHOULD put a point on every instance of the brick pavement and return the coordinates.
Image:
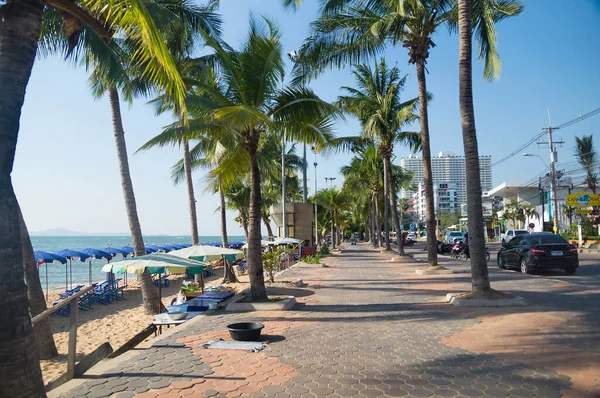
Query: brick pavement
(368, 327)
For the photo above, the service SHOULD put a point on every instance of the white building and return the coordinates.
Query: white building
(445, 199)
(527, 194)
(449, 168)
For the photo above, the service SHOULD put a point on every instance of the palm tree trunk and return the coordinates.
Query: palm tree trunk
(427, 174)
(378, 221)
(20, 373)
(373, 223)
(332, 229)
(187, 168)
(386, 208)
(255, 266)
(149, 292)
(267, 222)
(479, 272)
(224, 218)
(37, 301)
(387, 164)
(245, 226)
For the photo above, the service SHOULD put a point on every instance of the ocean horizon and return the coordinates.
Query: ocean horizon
(56, 272)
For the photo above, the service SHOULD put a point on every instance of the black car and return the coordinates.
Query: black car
(538, 251)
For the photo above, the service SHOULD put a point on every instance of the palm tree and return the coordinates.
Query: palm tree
(376, 103)
(480, 16)
(20, 373)
(529, 211)
(365, 174)
(334, 200)
(116, 74)
(37, 301)
(586, 157)
(255, 105)
(346, 32)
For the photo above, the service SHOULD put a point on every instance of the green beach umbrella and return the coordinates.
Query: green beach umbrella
(157, 263)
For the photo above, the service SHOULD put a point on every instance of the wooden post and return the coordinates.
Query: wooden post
(72, 338)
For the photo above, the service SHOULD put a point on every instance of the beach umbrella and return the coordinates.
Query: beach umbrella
(209, 253)
(286, 241)
(151, 249)
(97, 254)
(157, 263)
(114, 251)
(164, 248)
(73, 255)
(127, 249)
(263, 243)
(45, 257)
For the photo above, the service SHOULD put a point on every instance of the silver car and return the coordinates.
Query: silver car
(451, 235)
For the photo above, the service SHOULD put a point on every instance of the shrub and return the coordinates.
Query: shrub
(324, 250)
(314, 259)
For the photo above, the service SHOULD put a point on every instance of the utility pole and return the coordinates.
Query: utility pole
(294, 56)
(314, 149)
(283, 212)
(553, 160)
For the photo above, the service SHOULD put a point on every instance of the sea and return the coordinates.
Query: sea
(80, 270)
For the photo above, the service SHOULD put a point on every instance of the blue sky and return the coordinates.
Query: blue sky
(66, 172)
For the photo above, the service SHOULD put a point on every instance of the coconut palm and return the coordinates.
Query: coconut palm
(346, 32)
(586, 157)
(254, 105)
(20, 28)
(479, 16)
(37, 301)
(376, 103)
(334, 200)
(529, 211)
(365, 174)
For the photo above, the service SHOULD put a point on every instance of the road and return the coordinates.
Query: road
(587, 276)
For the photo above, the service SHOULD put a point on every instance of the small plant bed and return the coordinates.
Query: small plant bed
(271, 299)
(243, 302)
(433, 269)
(490, 298)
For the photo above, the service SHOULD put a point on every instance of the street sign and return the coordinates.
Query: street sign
(583, 199)
(583, 211)
(463, 209)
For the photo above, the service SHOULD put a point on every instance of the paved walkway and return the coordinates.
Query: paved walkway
(368, 327)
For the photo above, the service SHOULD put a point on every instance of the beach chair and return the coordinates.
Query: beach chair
(85, 301)
(103, 293)
(64, 311)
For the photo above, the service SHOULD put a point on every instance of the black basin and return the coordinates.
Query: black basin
(245, 331)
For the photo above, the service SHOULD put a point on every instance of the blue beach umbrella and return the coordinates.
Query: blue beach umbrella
(127, 249)
(73, 255)
(46, 258)
(151, 249)
(114, 251)
(97, 254)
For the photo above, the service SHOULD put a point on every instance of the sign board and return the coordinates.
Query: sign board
(463, 209)
(583, 211)
(487, 208)
(583, 199)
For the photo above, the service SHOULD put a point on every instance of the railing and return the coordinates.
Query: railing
(74, 299)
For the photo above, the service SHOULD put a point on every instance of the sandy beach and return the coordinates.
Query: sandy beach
(115, 323)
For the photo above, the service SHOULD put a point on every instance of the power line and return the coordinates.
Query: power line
(544, 131)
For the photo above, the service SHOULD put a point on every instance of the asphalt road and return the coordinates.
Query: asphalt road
(587, 275)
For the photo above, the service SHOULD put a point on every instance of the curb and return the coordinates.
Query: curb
(513, 302)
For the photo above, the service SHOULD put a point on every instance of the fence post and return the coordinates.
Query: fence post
(72, 338)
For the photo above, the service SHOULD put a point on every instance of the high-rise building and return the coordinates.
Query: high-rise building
(444, 199)
(447, 167)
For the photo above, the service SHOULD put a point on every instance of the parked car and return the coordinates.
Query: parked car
(412, 235)
(451, 235)
(511, 233)
(538, 251)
